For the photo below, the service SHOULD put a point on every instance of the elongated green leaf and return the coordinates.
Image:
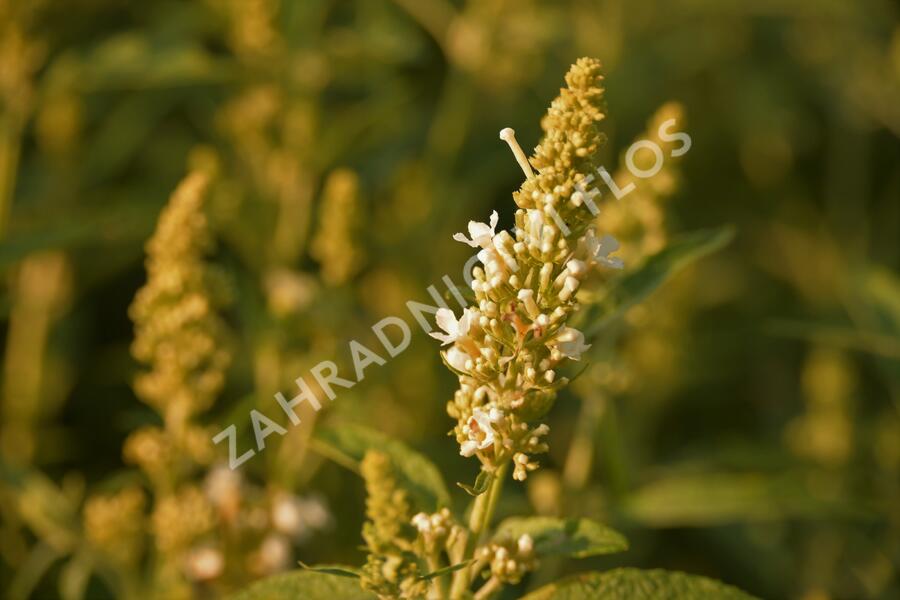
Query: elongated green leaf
(306, 584)
(714, 498)
(635, 285)
(418, 475)
(880, 288)
(46, 509)
(481, 483)
(336, 570)
(30, 572)
(74, 577)
(570, 537)
(135, 61)
(636, 584)
(119, 222)
(844, 336)
(446, 570)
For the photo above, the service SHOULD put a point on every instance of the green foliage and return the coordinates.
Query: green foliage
(708, 498)
(638, 283)
(306, 584)
(635, 584)
(347, 443)
(578, 538)
(482, 481)
(703, 415)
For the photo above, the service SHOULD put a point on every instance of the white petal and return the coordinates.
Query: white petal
(468, 448)
(613, 263)
(443, 337)
(479, 230)
(461, 237)
(608, 244)
(465, 322)
(457, 358)
(485, 256)
(446, 320)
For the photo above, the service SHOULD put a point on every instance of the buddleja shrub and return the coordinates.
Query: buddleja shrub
(510, 350)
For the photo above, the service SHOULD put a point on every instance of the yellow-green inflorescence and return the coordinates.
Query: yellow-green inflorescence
(179, 336)
(178, 331)
(391, 569)
(507, 347)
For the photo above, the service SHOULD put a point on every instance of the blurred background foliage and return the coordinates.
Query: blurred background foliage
(743, 424)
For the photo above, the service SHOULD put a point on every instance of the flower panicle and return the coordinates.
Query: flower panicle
(179, 334)
(391, 569)
(508, 347)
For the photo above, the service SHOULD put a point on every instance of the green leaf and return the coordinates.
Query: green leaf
(347, 444)
(840, 335)
(30, 572)
(636, 584)
(446, 570)
(74, 577)
(634, 285)
(134, 60)
(701, 499)
(570, 537)
(880, 289)
(46, 509)
(481, 484)
(306, 584)
(337, 571)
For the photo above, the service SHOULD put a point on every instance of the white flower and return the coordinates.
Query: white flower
(482, 234)
(422, 522)
(599, 249)
(274, 554)
(480, 430)
(446, 320)
(315, 512)
(287, 515)
(203, 564)
(223, 486)
(457, 359)
(468, 448)
(535, 222)
(570, 342)
(525, 544)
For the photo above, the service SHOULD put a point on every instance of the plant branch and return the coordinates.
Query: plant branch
(479, 520)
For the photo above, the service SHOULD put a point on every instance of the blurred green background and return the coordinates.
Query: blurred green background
(744, 424)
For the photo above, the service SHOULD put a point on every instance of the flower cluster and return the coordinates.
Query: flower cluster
(113, 524)
(437, 531)
(391, 569)
(178, 331)
(335, 244)
(639, 221)
(507, 349)
(509, 560)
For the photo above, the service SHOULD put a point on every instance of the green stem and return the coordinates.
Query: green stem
(479, 520)
(437, 584)
(488, 589)
(10, 144)
(580, 458)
